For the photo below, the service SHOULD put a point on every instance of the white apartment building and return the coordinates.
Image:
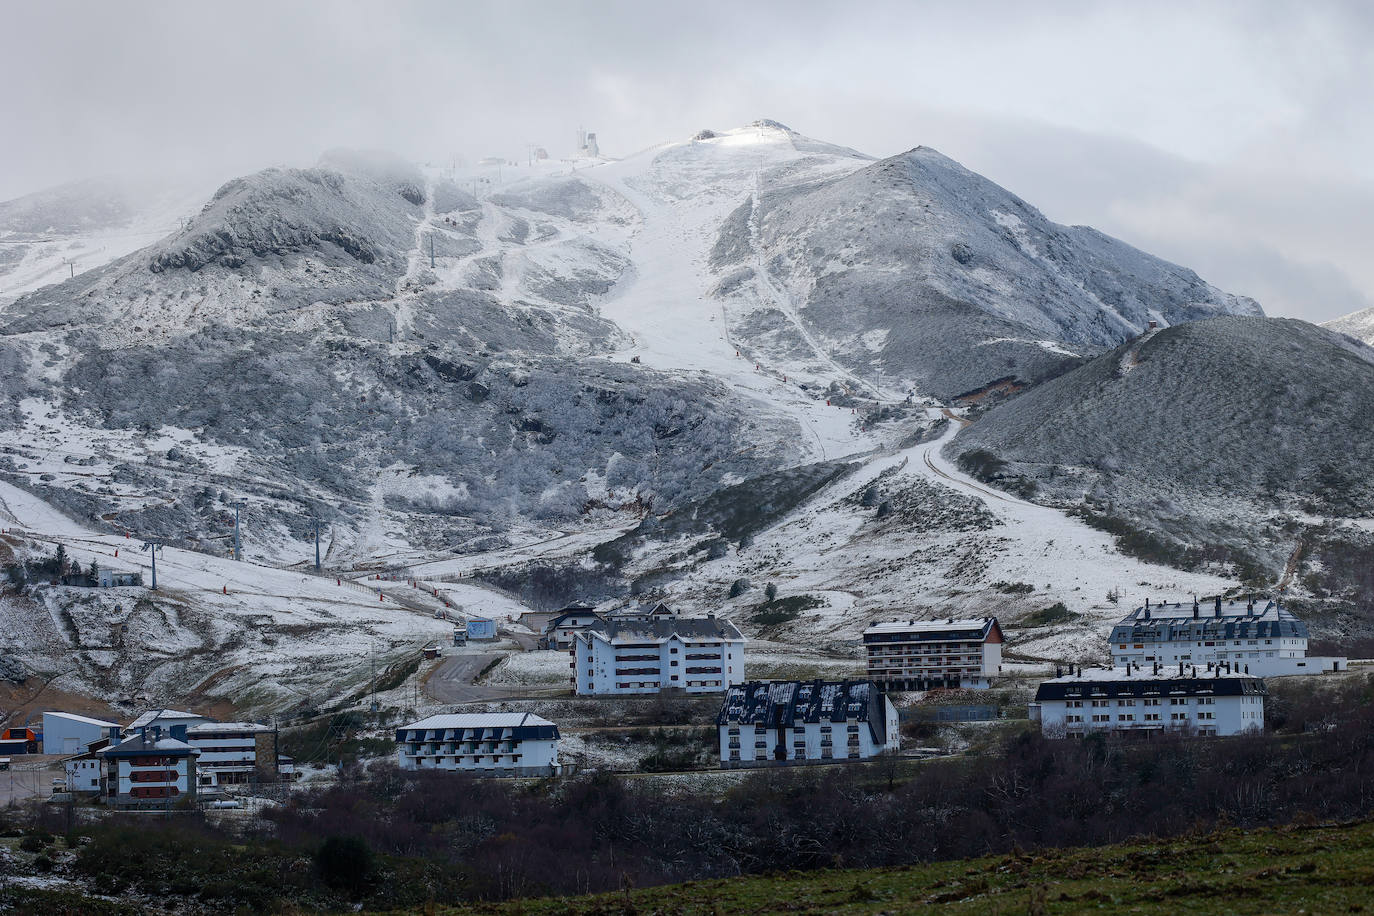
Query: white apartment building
(483, 744)
(790, 721)
(1264, 641)
(233, 753)
(646, 655)
(1125, 700)
(925, 654)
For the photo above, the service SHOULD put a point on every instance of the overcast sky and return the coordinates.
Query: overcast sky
(1235, 138)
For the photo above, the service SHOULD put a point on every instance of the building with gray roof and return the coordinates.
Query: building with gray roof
(1265, 640)
(650, 654)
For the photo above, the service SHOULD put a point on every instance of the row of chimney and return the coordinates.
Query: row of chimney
(1249, 608)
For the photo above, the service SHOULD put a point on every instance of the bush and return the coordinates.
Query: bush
(1055, 613)
(739, 587)
(345, 863)
(771, 613)
(32, 843)
(43, 863)
(770, 591)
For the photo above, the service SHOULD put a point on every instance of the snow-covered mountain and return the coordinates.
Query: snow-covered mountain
(586, 378)
(917, 268)
(1357, 324)
(60, 232)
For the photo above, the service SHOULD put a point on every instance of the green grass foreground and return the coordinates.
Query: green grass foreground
(1287, 870)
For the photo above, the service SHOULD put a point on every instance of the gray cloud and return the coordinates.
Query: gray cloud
(1232, 137)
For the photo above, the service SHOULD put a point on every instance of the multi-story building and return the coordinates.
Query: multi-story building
(150, 768)
(805, 721)
(1266, 641)
(1216, 702)
(646, 655)
(562, 629)
(925, 654)
(233, 753)
(490, 744)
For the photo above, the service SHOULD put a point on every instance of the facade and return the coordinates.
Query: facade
(86, 771)
(233, 753)
(115, 578)
(84, 774)
(926, 654)
(481, 628)
(67, 733)
(483, 744)
(791, 721)
(1268, 641)
(1126, 700)
(562, 629)
(636, 656)
(150, 769)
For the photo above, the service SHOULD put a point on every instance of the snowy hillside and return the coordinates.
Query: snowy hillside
(1357, 324)
(933, 276)
(593, 379)
(52, 235)
(1234, 437)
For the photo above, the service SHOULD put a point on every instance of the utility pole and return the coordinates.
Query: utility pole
(315, 523)
(153, 547)
(238, 554)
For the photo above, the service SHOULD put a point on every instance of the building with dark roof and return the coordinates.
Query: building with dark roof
(1220, 701)
(791, 721)
(926, 654)
(650, 654)
(150, 768)
(562, 629)
(1267, 641)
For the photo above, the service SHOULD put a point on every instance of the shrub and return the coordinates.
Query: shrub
(739, 587)
(32, 843)
(1055, 613)
(345, 863)
(770, 591)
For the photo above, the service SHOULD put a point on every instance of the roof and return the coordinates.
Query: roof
(782, 704)
(661, 629)
(137, 745)
(1212, 619)
(151, 716)
(84, 720)
(1118, 682)
(523, 725)
(569, 612)
(942, 628)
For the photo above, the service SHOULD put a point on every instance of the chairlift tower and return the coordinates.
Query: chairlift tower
(238, 554)
(153, 546)
(315, 524)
